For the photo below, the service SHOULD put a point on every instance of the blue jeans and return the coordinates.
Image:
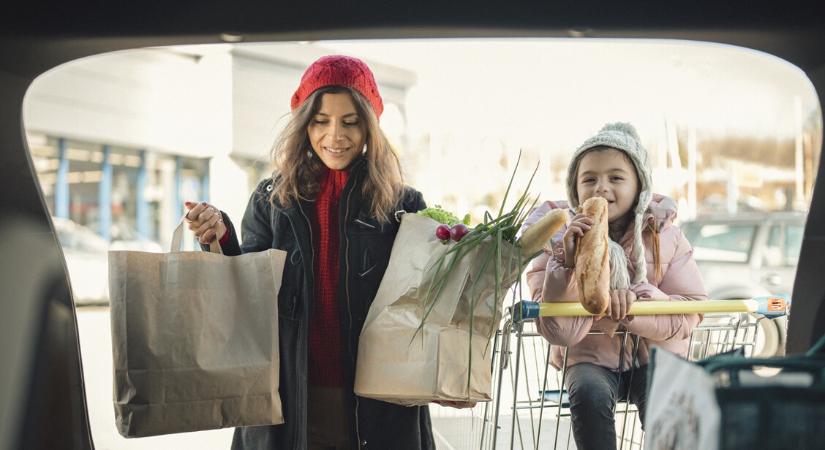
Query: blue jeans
(593, 392)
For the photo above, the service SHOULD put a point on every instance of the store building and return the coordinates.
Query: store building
(121, 140)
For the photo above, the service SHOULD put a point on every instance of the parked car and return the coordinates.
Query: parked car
(87, 260)
(748, 255)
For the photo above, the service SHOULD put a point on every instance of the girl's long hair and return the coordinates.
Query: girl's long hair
(654, 241)
(297, 169)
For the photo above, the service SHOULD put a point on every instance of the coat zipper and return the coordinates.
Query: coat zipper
(343, 229)
(312, 274)
(311, 244)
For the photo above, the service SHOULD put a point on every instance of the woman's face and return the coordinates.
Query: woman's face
(609, 174)
(336, 131)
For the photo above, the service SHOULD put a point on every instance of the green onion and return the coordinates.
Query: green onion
(499, 232)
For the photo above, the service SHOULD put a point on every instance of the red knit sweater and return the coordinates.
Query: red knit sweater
(325, 327)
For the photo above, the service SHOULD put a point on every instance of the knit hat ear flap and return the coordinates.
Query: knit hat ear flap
(619, 278)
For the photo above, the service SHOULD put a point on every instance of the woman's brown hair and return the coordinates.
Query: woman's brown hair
(297, 169)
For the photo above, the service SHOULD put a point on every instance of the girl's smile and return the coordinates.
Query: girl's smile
(608, 173)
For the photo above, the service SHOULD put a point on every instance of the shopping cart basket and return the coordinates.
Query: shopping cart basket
(530, 407)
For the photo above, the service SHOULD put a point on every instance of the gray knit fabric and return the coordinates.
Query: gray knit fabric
(621, 136)
(619, 276)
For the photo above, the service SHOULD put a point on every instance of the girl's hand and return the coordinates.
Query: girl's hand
(620, 301)
(579, 225)
(205, 221)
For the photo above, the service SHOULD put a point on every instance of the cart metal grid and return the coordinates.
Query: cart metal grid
(528, 393)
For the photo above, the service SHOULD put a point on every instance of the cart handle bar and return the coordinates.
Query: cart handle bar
(769, 306)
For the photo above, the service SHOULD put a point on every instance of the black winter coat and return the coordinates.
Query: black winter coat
(365, 246)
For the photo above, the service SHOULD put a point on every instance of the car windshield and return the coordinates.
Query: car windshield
(793, 243)
(720, 241)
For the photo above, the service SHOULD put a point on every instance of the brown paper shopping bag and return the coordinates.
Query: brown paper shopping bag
(194, 339)
(401, 364)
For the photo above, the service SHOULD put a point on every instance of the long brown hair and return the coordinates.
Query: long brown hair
(296, 173)
(657, 258)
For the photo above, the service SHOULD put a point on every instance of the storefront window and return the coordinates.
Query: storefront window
(144, 190)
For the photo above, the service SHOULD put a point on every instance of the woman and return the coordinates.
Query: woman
(333, 204)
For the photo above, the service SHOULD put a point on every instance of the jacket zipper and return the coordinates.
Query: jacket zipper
(311, 244)
(312, 274)
(343, 232)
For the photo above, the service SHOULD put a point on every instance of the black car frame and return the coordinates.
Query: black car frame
(41, 384)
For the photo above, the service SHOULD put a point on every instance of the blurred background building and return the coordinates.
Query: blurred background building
(121, 140)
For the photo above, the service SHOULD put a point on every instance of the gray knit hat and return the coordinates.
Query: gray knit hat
(621, 136)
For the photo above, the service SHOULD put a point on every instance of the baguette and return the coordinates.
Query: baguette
(592, 259)
(536, 236)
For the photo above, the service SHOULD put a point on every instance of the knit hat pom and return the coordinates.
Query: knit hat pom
(622, 127)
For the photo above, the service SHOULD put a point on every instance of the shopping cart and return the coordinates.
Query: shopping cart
(530, 408)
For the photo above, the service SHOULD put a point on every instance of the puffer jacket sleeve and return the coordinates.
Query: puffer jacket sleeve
(549, 281)
(680, 282)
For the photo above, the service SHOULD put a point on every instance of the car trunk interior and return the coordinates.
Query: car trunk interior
(42, 386)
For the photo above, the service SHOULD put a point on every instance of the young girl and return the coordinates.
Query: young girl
(652, 260)
(332, 205)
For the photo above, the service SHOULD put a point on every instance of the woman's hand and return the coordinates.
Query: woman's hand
(579, 225)
(620, 301)
(205, 221)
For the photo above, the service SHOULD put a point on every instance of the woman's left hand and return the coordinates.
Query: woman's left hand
(620, 302)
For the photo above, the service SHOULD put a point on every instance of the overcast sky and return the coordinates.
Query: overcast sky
(556, 92)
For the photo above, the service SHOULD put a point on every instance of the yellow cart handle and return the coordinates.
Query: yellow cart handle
(651, 307)
(771, 306)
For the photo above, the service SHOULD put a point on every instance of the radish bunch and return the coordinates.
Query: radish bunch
(445, 232)
(451, 226)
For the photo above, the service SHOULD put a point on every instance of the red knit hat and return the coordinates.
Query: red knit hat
(337, 70)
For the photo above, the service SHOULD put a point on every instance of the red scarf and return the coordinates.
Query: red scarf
(325, 325)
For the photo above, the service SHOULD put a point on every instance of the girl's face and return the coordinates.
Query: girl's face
(336, 131)
(610, 174)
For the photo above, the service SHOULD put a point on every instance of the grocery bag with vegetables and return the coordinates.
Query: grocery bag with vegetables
(427, 334)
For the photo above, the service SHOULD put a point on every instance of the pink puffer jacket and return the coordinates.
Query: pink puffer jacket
(679, 280)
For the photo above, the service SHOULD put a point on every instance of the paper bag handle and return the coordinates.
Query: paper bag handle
(177, 239)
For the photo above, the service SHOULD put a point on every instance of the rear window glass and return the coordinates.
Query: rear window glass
(121, 140)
